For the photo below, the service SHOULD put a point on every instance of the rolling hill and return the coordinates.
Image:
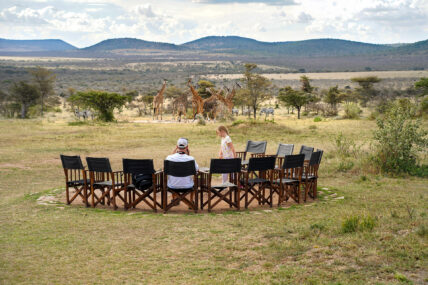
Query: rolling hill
(34, 45)
(315, 47)
(130, 43)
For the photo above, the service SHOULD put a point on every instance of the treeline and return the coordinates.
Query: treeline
(36, 95)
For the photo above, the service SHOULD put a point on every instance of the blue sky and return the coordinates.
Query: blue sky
(83, 23)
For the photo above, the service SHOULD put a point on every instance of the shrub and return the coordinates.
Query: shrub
(367, 223)
(355, 223)
(200, 120)
(317, 119)
(345, 166)
(103, 102)
(345, 147)
(350, 225)
(399, 139)
(423, 107)
(352, 111)
(312, 127)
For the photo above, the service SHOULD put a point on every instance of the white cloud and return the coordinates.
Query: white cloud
(82, 23)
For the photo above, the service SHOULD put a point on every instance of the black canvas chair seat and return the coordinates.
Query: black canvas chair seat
(257, 180)
(180, 190)
(286, 181)
(224, 185)
(108, 183)
(78, 182)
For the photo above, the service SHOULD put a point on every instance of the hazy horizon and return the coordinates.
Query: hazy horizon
(84, 23)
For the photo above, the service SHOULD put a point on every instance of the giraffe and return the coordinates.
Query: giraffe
(197, 101)
(210, 106)
(158, 102)
(225, 101)
(179, 107)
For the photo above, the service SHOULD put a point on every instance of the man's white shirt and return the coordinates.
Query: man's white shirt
(180, 182)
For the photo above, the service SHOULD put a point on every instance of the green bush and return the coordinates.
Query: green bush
(399, 140)
(345, 147)
(367, 223)
(352, 111)
(355, 223)
(345, 165)
(350, 225)
(423, 107)
(317, 119)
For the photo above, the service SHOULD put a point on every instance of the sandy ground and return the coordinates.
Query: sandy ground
(330, 75)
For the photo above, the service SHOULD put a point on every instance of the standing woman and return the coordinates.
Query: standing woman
(226, 150)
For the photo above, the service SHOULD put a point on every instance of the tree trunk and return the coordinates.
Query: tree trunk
(255, 111)
(23, 111)
(298, 113)
(42, 105)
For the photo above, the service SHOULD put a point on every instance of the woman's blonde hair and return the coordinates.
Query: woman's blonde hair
(224, 129)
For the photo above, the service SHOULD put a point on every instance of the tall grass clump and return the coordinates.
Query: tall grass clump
(399, 140)
(352, 111)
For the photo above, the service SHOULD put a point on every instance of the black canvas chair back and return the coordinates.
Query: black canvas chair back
(307, 151)
(179, 169)
(256, 146)
(322, 152)
(284, 149)
(225, 165)
(315, 158)
(293, 161)
(188, 196)
(98, 164)
(261, 163)
(71, 162)
(138, 166)
(139, 178)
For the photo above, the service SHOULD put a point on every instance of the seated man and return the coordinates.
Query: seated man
(181, 154)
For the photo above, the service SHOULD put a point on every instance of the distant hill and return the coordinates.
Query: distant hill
(418, 48)
(34, 45)
(315, 47)
(130, 43)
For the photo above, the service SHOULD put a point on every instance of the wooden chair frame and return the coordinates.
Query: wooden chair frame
(76, 178)
(255, 182)
(228, 193)
(290, 181)
(179, 195)
(106, 181)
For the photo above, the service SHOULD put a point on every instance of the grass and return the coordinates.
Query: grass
(300, 244)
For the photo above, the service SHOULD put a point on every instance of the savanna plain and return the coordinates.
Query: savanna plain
(55, 243)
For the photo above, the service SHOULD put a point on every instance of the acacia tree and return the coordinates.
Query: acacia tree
(103, 102)
(333, 97)
(293, 98)
(256, 87)
(203, 86)
(26, 95)
(422, 85)
(44, 80)
(366, 91)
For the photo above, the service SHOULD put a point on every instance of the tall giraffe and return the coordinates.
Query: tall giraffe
(158, 102)
(179, 107)
(197, 101)
(228, 104)
(210, 106)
